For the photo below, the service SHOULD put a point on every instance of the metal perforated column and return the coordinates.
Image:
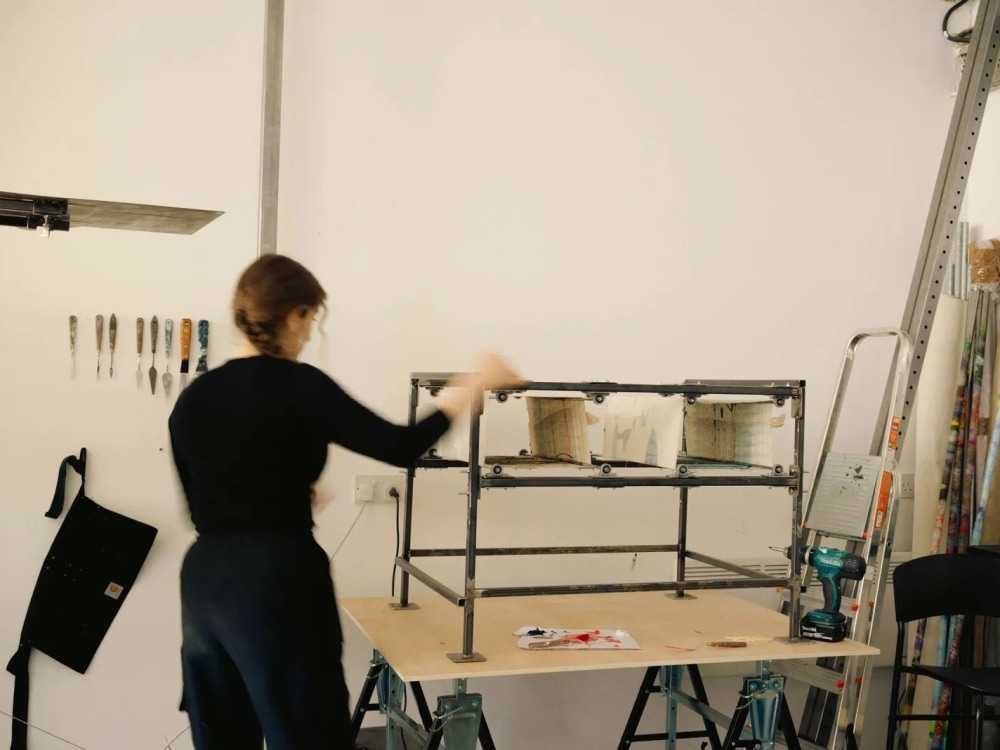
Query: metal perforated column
(941, 228)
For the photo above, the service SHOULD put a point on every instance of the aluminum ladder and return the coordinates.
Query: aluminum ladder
(852, 506)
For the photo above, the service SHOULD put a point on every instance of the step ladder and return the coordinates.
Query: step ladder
(851, 505)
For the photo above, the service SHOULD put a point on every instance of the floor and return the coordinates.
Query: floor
(371, 739)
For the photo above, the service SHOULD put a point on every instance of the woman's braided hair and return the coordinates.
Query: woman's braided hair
(270, 289)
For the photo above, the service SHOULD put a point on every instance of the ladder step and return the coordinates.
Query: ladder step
(821, 534)
(825, 679)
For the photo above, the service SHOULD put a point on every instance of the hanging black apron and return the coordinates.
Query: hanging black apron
(89, 570)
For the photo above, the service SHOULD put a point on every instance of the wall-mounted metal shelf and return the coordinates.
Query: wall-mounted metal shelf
(506, 472)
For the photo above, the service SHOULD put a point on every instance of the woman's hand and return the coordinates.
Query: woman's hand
(317, 501)
(496, 375)
(492, 374)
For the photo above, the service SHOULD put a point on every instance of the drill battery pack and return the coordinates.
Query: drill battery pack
(829, 632)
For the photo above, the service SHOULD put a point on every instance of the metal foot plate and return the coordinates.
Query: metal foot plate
(681, 597)
(397, 605)
(463, 658)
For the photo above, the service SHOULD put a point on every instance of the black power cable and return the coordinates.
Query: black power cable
(393, 493)
(964, 36)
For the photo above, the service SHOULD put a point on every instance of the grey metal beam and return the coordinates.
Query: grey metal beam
(270, 128)
(941, 227)
(940, 232)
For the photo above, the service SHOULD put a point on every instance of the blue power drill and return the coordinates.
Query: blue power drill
(832, 566)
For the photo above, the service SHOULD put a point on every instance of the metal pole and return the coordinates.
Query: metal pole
(941, 227)
(270, 128)
(404, 582)
(682, 514)
(475, 472)
(798, 406)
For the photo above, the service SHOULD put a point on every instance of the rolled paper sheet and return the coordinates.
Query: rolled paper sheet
(558, 428)
(730, 431)
(643, 429)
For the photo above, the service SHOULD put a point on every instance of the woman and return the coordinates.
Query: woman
(261, 651)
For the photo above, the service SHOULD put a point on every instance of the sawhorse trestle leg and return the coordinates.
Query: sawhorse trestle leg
(670, 686)
(763, 700)
(458, 721)
(762, 703)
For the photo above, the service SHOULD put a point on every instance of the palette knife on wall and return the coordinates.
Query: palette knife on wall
(202, 347)
(185, 350)
(112, 338)
(154, 328)
(168, 340)
(99, 330)
(72, 346)
(140, 326)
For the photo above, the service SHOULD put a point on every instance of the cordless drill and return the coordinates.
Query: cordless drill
(832, 566)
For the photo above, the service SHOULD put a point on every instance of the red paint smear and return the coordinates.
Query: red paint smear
(593, 636)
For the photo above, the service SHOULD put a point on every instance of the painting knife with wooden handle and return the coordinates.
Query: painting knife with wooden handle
(154, 330)
(185, 350)
(112, 338)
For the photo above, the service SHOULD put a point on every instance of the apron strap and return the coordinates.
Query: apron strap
(59, 498)
(18, 665)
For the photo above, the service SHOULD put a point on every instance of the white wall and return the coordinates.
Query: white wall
(140, 102)
(650, 194)
(983, 206)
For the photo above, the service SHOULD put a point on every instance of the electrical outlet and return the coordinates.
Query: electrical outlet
(377, 489)
(907, 487)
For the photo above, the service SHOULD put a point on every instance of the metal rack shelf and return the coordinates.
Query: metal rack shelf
(495, 472)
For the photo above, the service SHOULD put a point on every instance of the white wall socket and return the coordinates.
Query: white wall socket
(907, 488)
(377, 489)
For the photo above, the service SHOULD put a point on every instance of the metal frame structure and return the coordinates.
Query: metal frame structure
(926, 288)
(604, 475)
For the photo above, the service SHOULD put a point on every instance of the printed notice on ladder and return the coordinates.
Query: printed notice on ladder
(842, 497)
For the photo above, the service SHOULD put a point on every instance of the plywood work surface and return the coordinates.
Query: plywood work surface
(416, 642)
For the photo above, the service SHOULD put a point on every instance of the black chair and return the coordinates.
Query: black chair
(935, 586)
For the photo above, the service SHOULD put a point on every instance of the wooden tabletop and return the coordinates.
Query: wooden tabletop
(670, 632)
